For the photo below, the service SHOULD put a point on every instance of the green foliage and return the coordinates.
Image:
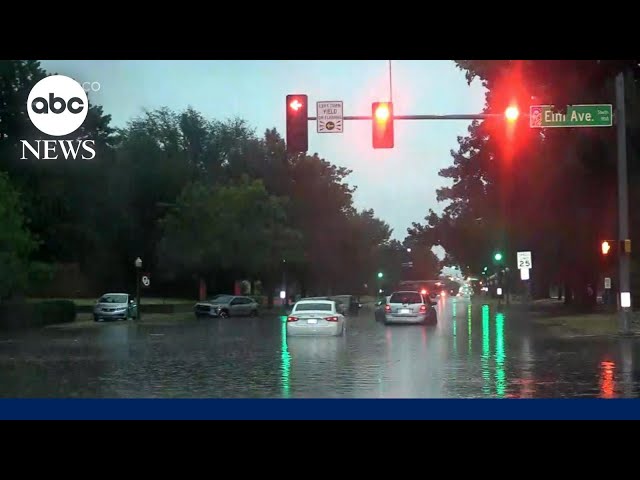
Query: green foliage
(191, 196)
(552, 191)
(16, 243)
(29, 315)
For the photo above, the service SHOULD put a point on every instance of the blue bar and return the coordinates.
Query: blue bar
(318, 409)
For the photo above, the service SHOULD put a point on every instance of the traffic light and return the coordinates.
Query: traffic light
(380, 275)
(382, 124)
(605, 247)
(512, 113)
(297, 124)
(497, 257)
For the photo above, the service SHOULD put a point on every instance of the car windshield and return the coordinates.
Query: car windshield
(117, 298)
(406, 297)
(313, 307)
(221, 298)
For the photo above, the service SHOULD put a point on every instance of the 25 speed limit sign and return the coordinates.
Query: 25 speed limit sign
(146, 281)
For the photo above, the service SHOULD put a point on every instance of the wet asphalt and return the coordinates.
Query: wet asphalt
(473, 352)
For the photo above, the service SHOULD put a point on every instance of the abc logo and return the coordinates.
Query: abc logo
(57, 105)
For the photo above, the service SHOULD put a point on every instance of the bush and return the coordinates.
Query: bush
(29, 315)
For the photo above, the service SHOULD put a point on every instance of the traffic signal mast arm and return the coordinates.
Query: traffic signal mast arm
(472, 116)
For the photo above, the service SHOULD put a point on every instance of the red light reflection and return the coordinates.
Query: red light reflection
(607, 381)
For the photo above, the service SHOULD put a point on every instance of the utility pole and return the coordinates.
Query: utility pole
(624, 297)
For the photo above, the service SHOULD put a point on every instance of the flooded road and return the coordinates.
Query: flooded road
(473, 352)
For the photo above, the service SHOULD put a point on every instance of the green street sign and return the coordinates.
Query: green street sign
(543, 116)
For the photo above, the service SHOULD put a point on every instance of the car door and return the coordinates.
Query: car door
(246, 303)
(235, 306)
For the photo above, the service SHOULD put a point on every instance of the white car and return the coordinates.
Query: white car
(315, 317)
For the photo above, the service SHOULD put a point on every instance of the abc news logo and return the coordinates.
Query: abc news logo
(57, 106)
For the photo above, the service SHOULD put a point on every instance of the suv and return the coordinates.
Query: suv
(409, 307)
(227, 306)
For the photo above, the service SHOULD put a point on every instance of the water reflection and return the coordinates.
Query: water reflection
(285, 358)
(484, 359)
(501, 383)
(607, 379)
(469, 326)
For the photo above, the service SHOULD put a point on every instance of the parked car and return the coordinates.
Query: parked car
(350, 302)
(315, 317)
(115, 306)
(224, 306)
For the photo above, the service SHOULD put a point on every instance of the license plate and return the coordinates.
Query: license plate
(405, 310)
(312, 320)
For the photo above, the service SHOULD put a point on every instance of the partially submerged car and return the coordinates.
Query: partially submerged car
(115, 306)
(224, 306)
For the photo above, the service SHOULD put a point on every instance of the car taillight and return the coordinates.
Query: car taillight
(331, 319)
(292, 319)
(423, 308)
(387, 308)
(423, 292)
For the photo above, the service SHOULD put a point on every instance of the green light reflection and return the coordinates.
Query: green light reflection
(469, 326)
(285, 359)
(500, 356)
(485, 350)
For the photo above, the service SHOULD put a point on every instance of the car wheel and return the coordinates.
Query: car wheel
(224, 314)
(95, 318)
(254, 313)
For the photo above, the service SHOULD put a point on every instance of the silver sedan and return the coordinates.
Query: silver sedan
(315, 317)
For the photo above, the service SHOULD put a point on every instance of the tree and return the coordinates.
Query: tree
(16, 242)
(531, 189)
(207, 233)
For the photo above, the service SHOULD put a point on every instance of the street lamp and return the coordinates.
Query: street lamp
(138, 264)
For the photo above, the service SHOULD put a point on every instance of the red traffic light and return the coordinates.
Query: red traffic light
(512, 113)
(382, 124)
(297, 124)
(606, 247)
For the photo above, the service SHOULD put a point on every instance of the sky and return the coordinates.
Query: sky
(399, 184)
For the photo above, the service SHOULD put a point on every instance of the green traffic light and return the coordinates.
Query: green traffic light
(380, 275)
(498, 256)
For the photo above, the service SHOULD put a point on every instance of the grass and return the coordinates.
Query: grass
(584, 324)
(144, 300)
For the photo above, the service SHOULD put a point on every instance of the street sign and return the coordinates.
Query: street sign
(607, 283)
(524, 260)
(543, 116)
(146, 281)
(329, 117)
(524, 274)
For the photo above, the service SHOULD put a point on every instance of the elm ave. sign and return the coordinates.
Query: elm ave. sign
(544, 116)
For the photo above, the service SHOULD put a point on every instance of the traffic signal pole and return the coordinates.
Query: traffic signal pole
(624, 312)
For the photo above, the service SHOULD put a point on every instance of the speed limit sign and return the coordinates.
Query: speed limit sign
(146, 281)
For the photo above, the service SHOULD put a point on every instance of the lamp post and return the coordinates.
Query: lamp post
(138, 264)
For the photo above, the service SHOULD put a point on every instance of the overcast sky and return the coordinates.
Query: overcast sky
(399, 184)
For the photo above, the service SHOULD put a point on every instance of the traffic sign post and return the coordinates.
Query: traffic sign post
(544, 116)
(329, 115)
